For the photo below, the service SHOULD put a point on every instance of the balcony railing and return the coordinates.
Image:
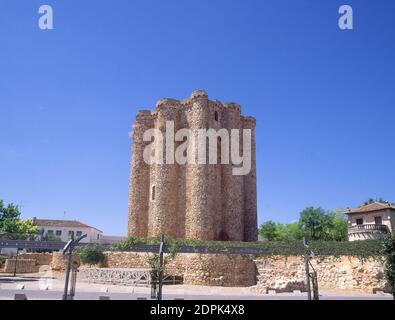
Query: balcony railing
(369, 228)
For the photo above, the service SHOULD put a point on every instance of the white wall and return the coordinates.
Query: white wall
(93, 234)
(368, 218)
(387, 217)
(8, 250)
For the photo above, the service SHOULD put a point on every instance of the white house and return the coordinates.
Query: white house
(64, 229)
(370, 221)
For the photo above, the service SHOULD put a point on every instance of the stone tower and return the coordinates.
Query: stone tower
(192, 200)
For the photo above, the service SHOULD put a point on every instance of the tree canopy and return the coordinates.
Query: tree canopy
(314, 224)
(11, 222)
(389, 254)
(8, 213)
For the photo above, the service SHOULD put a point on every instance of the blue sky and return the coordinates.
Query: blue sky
(324, 99)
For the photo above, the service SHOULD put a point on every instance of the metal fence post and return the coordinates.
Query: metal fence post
(307, 267)
(66, 284)
(316, 295)
(16, 261)
(162, 240)
(70, 246)
(73, 283)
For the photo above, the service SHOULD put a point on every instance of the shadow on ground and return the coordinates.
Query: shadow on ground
(11, 279)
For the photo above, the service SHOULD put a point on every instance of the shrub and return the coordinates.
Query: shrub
(129, 243)
(389, 255)
(91, 254)
(2, 261)
(360, 249)
(51, 237)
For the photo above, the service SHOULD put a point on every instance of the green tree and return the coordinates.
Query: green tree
(389, 254)
(268, 230)
(20, 226)
(7, 214)
(289, 232)
(369, 201)
(272, 231)
(316, 222)
(373, 200)
(339, 230)
(11, 222)
(91, 254)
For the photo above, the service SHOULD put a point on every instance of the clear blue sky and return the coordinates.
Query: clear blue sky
(324, 99)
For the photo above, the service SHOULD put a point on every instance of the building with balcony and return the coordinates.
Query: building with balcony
(370, 221)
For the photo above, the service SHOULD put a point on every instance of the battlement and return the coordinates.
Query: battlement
(199, 94)
(188, 103)
(145, 115)
(167, 103)
(250, 121)
(232, 106)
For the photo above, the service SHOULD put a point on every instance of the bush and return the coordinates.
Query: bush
(361, 249)
(389, 255)
(91, 254)
(51, 237)
(2, 261)
(129, 243)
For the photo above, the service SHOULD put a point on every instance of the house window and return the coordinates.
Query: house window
(58, 233)
(378, 221)
(98, 236)
(153, 193)
(50, 232)
(71, 234)
(79, 233)
(359, 221)
(216, 115)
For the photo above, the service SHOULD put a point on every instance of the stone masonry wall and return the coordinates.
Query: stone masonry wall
(285, 274)
(219, 270)
(59, 261)
(195, 269)
(22, 266)
(41, 259)
(279, 273)
(28, 262)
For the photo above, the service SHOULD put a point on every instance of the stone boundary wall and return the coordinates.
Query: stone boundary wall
(195, 269)
(279, 273)
(285, 274)
(22, 266)
(59, 261)
(42, 259)
(262, 273)
(126, 260)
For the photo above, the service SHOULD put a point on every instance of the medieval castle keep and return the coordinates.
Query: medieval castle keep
(192, 201)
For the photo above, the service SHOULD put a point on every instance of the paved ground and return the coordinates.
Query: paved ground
(39, 288)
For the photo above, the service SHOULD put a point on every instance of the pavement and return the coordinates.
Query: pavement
(42, 287)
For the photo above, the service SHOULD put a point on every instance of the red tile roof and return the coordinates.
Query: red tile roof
(61, 224)
(372, 207)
